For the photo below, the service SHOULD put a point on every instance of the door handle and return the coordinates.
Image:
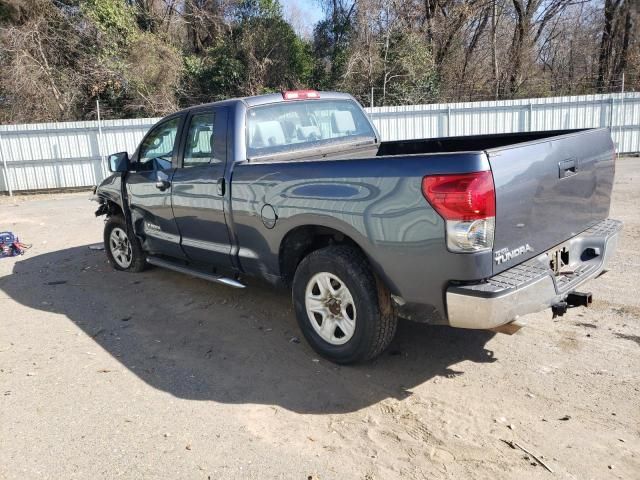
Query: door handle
(567, 168)
(221, 184)
(162, 181)
(162, 185)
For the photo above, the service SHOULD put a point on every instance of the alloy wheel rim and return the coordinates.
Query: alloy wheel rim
(120, 247)
(330, 308)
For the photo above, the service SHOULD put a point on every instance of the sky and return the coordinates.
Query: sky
(302, 14)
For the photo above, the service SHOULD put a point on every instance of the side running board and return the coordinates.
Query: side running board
(159, 262)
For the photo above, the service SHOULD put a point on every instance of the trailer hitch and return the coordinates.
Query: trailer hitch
(579, 299)
(574, 299)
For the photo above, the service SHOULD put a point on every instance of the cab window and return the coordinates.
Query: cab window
(157, 148)
(200, 147)
(284, 127)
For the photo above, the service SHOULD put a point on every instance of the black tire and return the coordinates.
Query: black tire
(137, 262)
(375, 317)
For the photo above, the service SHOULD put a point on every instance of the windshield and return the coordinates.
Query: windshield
(288, 126)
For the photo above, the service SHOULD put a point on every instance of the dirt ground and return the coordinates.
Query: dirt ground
(159, 375)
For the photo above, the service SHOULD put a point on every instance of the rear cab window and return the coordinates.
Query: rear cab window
(291, 126)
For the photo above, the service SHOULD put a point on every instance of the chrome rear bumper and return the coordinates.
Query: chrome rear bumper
(532, 286)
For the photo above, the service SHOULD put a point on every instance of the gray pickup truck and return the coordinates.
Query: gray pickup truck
(298, 189)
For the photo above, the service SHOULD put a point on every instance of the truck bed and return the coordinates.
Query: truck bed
(464, 144)
(549, 187)
(473, 143)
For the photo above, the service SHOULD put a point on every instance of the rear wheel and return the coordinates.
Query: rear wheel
(124, 253)
(345, 314)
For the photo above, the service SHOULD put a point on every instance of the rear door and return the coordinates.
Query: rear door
(548, 191)
(199, 188)
(149, 188)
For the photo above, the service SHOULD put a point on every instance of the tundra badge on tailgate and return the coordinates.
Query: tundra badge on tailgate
(504, 254)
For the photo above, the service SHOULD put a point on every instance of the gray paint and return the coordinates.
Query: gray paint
(535, 205)
(376, 201)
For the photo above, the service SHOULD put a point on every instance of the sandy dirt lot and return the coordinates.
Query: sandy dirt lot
(158, 375)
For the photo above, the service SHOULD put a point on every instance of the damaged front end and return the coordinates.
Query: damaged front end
(103, 209)
(109, 195)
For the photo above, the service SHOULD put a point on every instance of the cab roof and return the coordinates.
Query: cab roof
(267, 99)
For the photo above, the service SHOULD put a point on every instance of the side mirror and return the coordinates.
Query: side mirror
(119, 162)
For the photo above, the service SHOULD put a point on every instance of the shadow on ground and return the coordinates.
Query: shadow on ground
(201, 341)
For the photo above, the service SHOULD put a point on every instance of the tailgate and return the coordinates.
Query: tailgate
(548, 191)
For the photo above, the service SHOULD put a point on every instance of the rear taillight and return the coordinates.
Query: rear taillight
(467, 203)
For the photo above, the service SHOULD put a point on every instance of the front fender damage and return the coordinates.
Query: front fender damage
(103, 209)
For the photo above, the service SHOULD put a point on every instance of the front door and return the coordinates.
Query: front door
(149, 189)
(199, 188)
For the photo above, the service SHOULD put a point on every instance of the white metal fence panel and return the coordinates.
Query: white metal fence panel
(620, 112)
(43, 156)
(63, 155)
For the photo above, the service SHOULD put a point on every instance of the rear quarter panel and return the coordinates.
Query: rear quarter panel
(377, 202)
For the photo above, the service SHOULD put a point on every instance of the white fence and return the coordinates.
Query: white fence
(65, 155)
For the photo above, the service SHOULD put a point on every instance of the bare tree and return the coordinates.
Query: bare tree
(615, 41)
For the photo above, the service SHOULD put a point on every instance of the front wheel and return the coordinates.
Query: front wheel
(345, 314)
(124, 253)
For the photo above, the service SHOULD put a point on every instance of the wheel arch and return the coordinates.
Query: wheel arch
(113, 208)
(109, 206)
(305, 238)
